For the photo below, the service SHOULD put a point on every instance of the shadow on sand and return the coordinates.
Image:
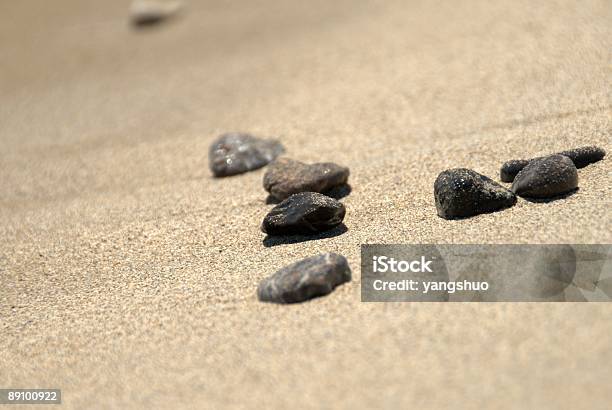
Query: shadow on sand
(270, 241)
(336, 193)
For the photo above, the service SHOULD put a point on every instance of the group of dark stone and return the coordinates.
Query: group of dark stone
(305, 210)
(462, 192)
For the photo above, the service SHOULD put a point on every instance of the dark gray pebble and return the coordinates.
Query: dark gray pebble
(461, 192)
(581, 157)
(511, 168)
(306, 279)
(304, 213)
(236, 153)
(546, 177)
(150, 12)
(285, 177)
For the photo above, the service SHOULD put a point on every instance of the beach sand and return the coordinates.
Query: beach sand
(128, 274)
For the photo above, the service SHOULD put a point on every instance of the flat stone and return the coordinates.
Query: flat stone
(511, 168)
(150, 12)
(309, 278)
(237, 153)
(304, 213)
(583, 156)
(546, 177)
(461, 192)
(285, 177)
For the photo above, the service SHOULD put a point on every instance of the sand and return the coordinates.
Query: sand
(129, 274)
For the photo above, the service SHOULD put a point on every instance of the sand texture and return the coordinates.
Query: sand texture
(129, 275)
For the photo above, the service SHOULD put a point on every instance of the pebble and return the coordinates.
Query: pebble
(511, 168)
(306, 279)
(462, 192)
(237, 153)
(581, 157)
(149, 12)
(304, 213)
(285, 177)
(546, 177)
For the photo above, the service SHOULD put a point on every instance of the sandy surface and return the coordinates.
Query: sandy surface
(128, 274)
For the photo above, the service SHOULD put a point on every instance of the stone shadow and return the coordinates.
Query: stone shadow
(336, 193)
(270, 241)
(552, 199)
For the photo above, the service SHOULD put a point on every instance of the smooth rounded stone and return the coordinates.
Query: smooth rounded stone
(583, 156)
(309, 278)
(285, 177)
(237, 153)
(304, 213)
(546, 177)
(461, 192)
(149, 12)
(511, 168)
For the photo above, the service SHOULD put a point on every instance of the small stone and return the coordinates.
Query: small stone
(304, 213)
(511, 168)
(583, 156)
(546, 177)
(149, 12)
(285, 177)
(309, 278)
(461, 192)
(237, 153)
